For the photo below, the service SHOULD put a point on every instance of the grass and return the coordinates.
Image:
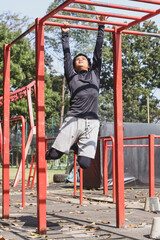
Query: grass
(50, 172)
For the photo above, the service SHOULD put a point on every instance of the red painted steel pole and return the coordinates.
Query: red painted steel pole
(151, 167)
(81, 185)
(23, 161)
(75, 173)
(40, 125)
(105, 167)
(114, 6)
(118, 129)
(113, 169)
(100, 13)
(6, 121)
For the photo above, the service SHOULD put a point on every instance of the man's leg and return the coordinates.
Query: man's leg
(52, 153)
(84, 162)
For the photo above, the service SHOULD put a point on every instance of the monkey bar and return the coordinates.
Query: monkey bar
(117, 30)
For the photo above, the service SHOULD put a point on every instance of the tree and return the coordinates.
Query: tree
(141, 74)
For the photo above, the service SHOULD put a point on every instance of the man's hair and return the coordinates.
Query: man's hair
(81, 54)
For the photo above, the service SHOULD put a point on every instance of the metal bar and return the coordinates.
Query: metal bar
(40, 127)
(23, 157)
(135, 138)
(118, 129)
(30, 172)
(106, 29)
(151, 167)
(57, 9)
(133, 23)
(89, 20)
(34, 174)
(101, 13)
(105, 168)
(6, 135)
(147, 1)
(1, 141)
(81, 185)
(22, 35)
(75, 173)
(114, 6)
(77, 26)
(113, 169)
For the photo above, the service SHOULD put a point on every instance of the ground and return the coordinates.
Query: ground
(67, 219)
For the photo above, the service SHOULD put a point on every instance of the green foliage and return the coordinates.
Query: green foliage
(141, 74)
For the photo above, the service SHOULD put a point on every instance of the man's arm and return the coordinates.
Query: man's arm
(97, 56)
(68, 64)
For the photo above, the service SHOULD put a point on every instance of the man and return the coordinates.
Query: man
(81, 124)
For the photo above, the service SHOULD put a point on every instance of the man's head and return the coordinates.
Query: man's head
(81, 62)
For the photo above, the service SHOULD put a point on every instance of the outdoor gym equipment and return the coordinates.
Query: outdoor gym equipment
(118, 29)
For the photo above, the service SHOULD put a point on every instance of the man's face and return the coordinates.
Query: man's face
(81, 63)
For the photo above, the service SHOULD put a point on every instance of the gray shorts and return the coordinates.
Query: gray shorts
(85, 131)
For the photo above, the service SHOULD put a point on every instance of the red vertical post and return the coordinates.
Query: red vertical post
(40, 128)
(105, 167)
(113, 170)
(118, 128)
(81, 185)
(75, 173)
(151, 167)
(23, 162)
(6, 120)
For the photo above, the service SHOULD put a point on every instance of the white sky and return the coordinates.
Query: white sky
(38, 8)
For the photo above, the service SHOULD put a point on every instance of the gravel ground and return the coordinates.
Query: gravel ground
(67, 219)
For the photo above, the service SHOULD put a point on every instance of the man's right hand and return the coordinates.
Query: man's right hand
(65, 28)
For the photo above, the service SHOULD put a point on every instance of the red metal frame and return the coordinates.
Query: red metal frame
(28, 91)
(23, 153)
(40, 128)
(30, 172)
(39, 26)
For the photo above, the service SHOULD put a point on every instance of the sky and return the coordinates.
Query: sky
(38, 8)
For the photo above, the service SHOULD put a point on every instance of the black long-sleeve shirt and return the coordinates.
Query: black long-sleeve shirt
(84, 85)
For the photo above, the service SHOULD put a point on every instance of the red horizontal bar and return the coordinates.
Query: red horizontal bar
(77, 26)
(101, 13)
(56, 10)
(150, 15)
(89, 20)
(114, 6)
(148, 1)
(106, 29)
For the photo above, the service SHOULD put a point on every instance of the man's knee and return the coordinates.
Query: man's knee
(84, 162)
(52, 153)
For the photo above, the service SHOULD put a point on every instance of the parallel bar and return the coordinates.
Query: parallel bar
(106, 29)
(89, 20)
(6, 135)
(57, 9)
(118, 129)
(101, 13)
(40, 129)
(77, 26)
(151, 167)
(105, 167)
(114, 6)
(113, 169)
(147, 1)
(150, 15)
(81, 185)
(75, 173)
